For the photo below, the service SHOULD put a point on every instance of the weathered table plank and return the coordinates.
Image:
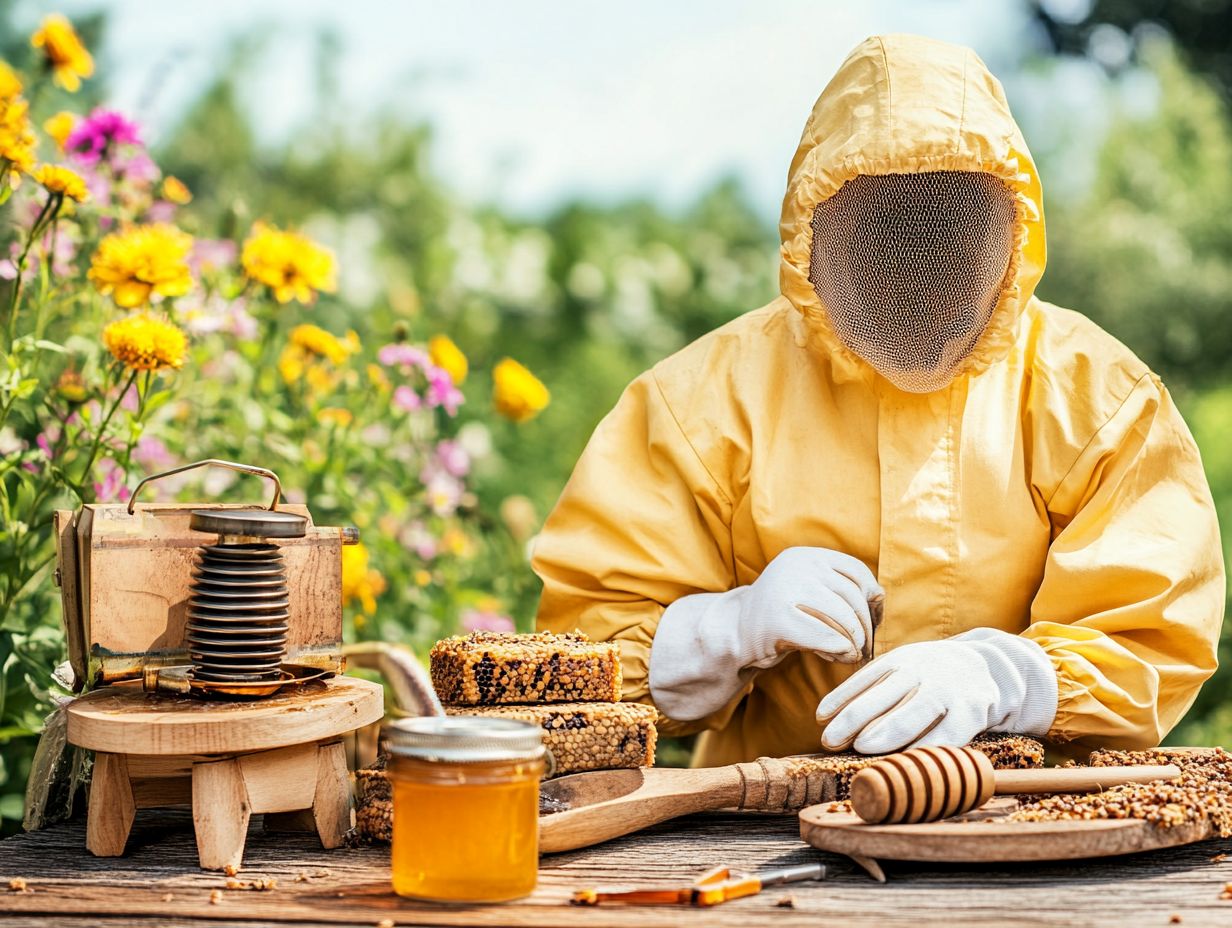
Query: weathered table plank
(158, 883)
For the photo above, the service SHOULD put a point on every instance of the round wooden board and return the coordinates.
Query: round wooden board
(126, 720)
(985, 835)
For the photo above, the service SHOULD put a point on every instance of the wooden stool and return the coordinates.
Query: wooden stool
(228, 759)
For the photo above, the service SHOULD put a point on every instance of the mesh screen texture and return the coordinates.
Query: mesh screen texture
(909, 268)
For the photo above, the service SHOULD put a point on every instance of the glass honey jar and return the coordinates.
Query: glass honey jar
(465, 807)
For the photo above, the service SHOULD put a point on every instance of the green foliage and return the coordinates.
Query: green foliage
(1145, 252)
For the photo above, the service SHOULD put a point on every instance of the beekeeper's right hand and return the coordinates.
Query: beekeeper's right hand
(707, 645)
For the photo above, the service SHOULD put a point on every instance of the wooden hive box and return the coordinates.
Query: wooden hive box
(124, 581)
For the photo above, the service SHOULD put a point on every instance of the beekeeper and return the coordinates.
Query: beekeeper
(905, 430)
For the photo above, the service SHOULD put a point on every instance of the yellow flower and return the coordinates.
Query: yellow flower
(359, 581)
(10, 83)
(293, 266)
(291, 364)
(489, 604)
(309, 345)
(448, 356)
(319, 379)
(376, 377)
(421, 577)
(65, 54)
(60, 127)
(518, 394)
(142, 261)
(457, 542)
(335, 416)
(176, 191)
(145, 343)
(17, 139)
(315, 340)
(57, 179)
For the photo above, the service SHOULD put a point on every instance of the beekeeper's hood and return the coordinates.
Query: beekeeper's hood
(912, 229)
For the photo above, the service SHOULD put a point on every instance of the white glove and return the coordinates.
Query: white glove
(942, 692)
(807, 599)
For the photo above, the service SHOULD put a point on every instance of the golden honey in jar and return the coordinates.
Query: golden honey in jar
(466, 807)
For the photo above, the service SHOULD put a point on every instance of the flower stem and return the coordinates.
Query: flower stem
(102, 430)
(15, 293)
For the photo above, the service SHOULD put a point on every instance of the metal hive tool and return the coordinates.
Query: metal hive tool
(240, 603)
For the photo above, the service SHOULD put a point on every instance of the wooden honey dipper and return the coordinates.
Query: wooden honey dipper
(928, 784)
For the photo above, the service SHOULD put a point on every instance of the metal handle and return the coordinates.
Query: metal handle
(409, 683)
(232, 465)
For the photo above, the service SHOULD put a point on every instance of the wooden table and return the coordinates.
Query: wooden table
(158, 883)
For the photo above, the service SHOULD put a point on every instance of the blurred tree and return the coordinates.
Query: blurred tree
(1108, 29)
(1145, 251)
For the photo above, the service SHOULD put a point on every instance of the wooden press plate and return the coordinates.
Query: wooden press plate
(985, 835)
(122, 719)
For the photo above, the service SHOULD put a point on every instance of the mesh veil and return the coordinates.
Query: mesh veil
(909, 268)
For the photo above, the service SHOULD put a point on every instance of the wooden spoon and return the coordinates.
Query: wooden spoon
(606, 804)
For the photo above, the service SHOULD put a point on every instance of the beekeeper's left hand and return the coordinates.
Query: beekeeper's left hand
(942, 692)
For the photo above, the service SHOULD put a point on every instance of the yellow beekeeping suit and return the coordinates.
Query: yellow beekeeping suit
(1051, 489)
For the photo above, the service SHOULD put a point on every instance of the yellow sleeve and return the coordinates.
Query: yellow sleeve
(641, 523)
(1132, 598)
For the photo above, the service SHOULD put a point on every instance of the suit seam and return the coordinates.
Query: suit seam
(718, 487)
(962, 111)
(1091, 442)
(885, 63)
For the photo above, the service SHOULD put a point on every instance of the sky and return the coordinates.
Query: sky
(534, 102)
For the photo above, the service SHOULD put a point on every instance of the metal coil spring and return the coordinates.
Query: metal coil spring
(237, 613)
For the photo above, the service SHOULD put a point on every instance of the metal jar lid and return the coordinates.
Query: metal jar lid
(464, 739)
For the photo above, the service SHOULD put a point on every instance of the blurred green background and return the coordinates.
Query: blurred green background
(1126, 107)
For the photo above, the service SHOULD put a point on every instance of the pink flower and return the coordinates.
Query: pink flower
(99, 135)
(417, 538)
(65, 250)
(137, 167)
(407, 399)
(161, 211)
(215, 313)
(444, 493)
(131, 400)
(243, 325)
(211, 254)
(403, 355)
(452, 458)
(8, 267)
(152, 454)
(48, 439)
(442, 392)
(99, 186)
(475, 620)
(111, 489)
(442, 471)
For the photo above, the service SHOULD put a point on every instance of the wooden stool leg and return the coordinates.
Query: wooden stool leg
(220, 813)
(111, 811)
(331, 803)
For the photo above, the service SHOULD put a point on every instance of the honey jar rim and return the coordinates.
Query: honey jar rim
(464, 739)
